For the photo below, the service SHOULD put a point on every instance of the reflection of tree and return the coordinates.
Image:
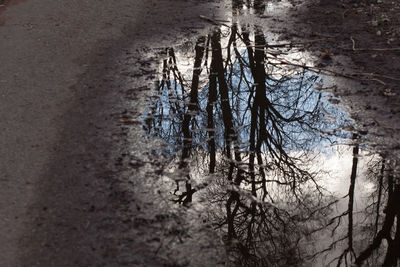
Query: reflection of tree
(349, 251)
(259, 234)
(230, 135)
(387, 215)
(257, 126)
(192, 106)
(259, 131)
(373, 236)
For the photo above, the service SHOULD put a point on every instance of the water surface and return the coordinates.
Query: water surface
(264, 153)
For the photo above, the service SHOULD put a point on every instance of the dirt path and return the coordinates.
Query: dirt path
(59, 133)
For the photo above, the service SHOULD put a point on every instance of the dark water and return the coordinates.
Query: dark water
(276, 166)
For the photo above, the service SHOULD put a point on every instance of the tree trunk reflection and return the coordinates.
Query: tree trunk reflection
(253, 128)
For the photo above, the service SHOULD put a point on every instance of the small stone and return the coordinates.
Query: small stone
(389, 92)
(379, 33)
(390, 40)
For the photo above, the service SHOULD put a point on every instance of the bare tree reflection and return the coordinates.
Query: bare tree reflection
(254, 127)
(259, 130)
(372, 236)
(383, 238)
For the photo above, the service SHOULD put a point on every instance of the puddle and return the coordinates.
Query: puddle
(261, 152)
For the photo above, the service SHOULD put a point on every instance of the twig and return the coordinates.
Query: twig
(377, 80)
(380, 75)
(290, 44)
(344, 13)
(375, 49)
(350, 76)
(354, 43)
(324, 35)
(300, 43)
(384, 126)
(213, 21)
(372, 49)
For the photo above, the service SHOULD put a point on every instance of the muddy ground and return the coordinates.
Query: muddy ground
(78, 177)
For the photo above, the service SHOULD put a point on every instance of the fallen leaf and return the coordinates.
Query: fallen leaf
(326, 54)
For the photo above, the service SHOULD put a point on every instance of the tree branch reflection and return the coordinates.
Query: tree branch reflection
(253, 128)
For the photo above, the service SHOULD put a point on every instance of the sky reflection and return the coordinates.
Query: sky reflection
(258, 146)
